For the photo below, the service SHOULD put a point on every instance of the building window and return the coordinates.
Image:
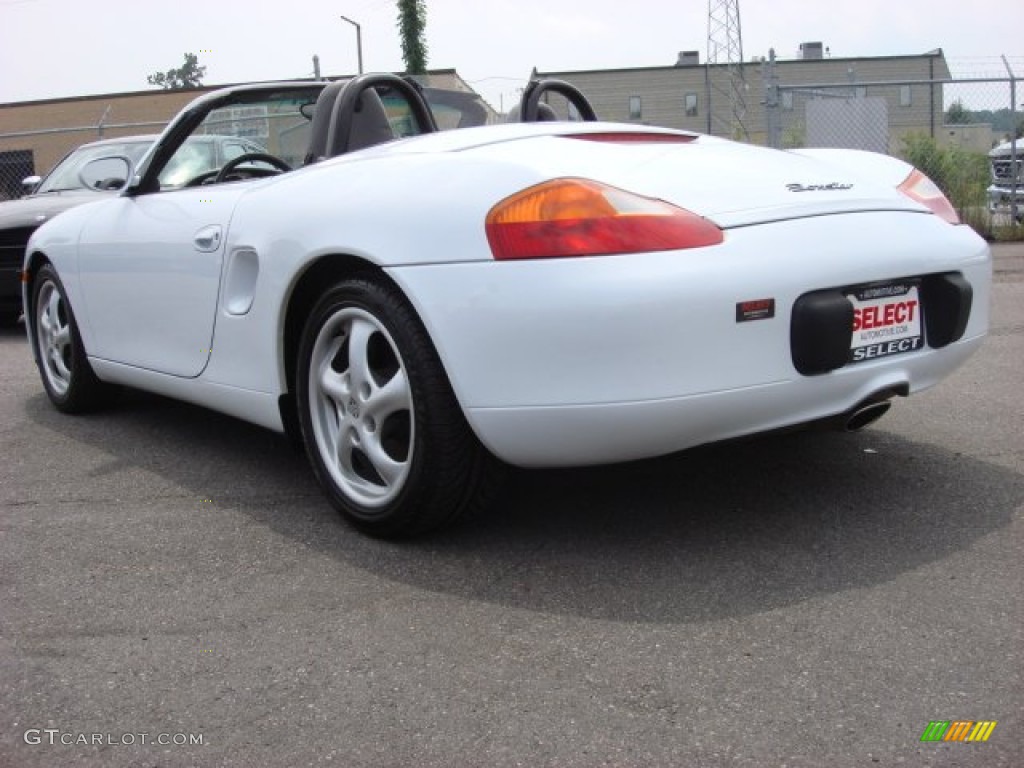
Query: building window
(635, 109)
(690, 104)
(905, 96)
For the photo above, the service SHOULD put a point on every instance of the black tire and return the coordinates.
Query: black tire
(388, 442)
(68, 379)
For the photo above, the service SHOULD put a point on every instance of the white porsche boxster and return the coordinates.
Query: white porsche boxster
(419, 307)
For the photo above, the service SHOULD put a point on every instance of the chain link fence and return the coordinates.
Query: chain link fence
(960, 131)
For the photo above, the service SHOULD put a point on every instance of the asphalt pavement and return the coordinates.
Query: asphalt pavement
(171, 575)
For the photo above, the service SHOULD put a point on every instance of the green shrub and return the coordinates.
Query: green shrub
(1008, 232)
(962, 176)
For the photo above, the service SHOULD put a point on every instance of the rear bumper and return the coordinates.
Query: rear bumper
(612, 432)
(1003, 196)
(582, 361)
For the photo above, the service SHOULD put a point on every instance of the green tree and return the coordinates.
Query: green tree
(958, 114)
(412, 26)
(188, 75)
(1001, 120)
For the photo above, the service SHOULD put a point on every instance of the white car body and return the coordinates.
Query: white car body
(553, 361)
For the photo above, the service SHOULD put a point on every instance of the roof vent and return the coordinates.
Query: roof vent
(811, 50)
(688, 59)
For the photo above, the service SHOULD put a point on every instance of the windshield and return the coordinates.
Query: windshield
(458, 109)
(271, 125)
(64, 175)
(255, 124)
(191, 159)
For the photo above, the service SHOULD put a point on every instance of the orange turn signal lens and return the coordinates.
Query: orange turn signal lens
(578, 217)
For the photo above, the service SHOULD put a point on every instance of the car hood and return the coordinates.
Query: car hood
(34, 210)
(1008, 148)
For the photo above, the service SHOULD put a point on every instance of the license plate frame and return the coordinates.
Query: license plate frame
(888, 319)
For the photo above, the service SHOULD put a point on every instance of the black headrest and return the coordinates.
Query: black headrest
(323, 114)
(370, 124)
(545, 113)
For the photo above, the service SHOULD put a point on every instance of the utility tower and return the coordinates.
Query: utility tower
(726, 88)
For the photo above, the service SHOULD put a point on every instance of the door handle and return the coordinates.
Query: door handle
(207, 239)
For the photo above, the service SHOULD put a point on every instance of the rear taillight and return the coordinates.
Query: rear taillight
(633, 137)
(919, 187)
(578, 217)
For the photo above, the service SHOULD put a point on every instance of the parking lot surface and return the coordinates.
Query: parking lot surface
(171, 575)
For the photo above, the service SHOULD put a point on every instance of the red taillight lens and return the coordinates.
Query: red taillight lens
(577, 217)
(919, 187)
(632, 137)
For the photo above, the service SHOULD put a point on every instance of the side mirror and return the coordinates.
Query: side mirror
(106, 173)
(30, 183)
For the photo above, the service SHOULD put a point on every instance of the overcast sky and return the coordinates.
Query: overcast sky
(55, 48)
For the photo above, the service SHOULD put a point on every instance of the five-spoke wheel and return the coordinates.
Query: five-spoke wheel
(379, 421)
(69, 380)
(53, 337)
(361, 406)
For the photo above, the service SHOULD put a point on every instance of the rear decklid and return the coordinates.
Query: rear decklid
(730, 183)
(738, 184)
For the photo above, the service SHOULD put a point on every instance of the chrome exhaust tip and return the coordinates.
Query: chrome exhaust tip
(863, 415)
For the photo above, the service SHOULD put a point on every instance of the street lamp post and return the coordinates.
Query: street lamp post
(359, 41)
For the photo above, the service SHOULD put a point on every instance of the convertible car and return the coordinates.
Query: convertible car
(420, 307)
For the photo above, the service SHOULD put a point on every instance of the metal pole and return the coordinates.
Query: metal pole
(707, 91)
(1014, 159)
(1014, 168)
(359, 46)
(359, 41)
(931, 97)
(103, 119)
(773, 120)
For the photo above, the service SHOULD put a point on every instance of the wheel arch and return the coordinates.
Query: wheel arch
(36, 261)
(319, 275)
(454, 473)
